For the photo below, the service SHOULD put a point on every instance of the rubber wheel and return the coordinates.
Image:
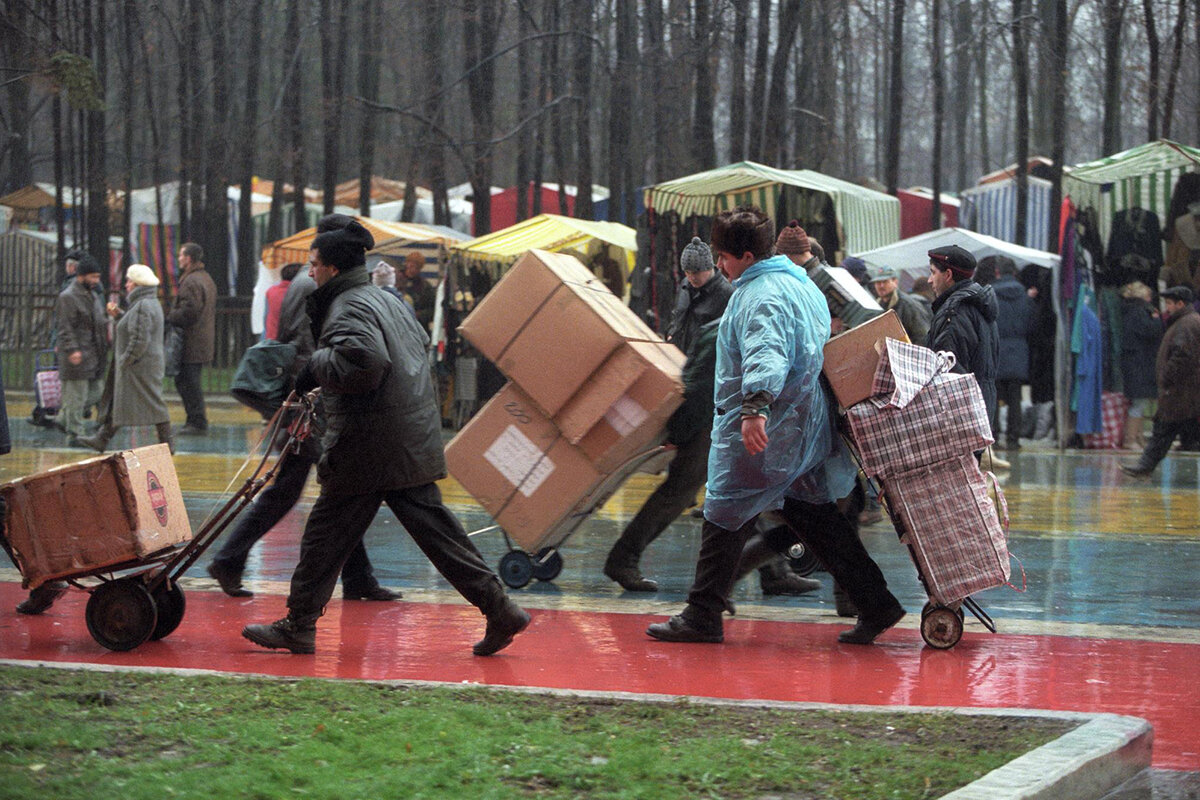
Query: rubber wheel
(169, 602)
(941, 627)
(547, 564)
(803, 562)
(516, 568)
(121, 614)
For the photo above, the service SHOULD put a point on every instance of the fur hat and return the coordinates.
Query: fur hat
(696, 257)
(792, 240)
(955, 259)
(141, 275)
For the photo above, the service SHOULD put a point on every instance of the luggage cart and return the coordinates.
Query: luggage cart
(141, 599)
(47, 389)
(517, 567)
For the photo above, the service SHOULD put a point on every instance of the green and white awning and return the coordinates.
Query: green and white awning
(1142, 177)
(867, 218)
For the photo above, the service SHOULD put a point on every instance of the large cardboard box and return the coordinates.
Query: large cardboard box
(549, 324)
(96, 513)
(515, 462)
(851, 357)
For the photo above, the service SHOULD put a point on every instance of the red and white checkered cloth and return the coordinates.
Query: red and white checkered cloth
(1114, 407)
(49, 388)
(904, 369)
(952, 528)
(944, 420)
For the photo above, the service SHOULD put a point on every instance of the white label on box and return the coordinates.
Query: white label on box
(626, 415)
(519, 460)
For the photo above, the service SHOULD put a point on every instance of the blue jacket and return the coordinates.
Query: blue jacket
(771, 339)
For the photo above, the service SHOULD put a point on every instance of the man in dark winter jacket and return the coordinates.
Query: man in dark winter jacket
(1177, 369)
(1014, 322)
(702, 296)
(382, 443)
(81, 345)
(195, 311)
(964, 318)
(913, 310)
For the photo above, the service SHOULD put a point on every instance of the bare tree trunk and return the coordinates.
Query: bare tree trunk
(622, 99)
(187, 63)
(481, 27)
(1021, 75)
(1152, 51)
(333, 57)
(368, 87)
(654, 47)
(1173, 72)
(546, 60)
(15, 48)
(758, 87)
(895, 109)
(128, 60)
(1058, 112)
(525, 106)
(247, 259)
(850, 97)
(939, 113)
(216, 167)
(56, 131)
(435, 36)
(737, 81)
(1111, 19)
(199, 125)
(985, 139)
(960, 26)
(582, 20)
(704, 147)
(292, 111)
(776, 112)
(97, 172)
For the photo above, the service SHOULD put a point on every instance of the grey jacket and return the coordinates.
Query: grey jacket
(82, 326)
(138, 383)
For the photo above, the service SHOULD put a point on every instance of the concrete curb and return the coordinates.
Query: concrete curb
(1086, 763)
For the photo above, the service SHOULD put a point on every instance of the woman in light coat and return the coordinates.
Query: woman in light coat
(137, 388)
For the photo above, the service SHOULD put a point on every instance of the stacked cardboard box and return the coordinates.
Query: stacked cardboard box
(590, 387)
(96, 513)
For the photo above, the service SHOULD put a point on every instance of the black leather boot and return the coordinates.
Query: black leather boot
(99, 440)
(163, 429)
(297, 634)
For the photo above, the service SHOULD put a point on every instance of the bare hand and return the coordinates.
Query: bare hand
(76, 358)
(113, 309)
(754, 434)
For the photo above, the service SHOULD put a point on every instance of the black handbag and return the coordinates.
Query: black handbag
(172, 350)
(263, 376)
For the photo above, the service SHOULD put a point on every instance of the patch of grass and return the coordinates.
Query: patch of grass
(66, 734)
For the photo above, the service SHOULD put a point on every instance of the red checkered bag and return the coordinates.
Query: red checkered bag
(952, 527)
(1114, 408)
(48, 388)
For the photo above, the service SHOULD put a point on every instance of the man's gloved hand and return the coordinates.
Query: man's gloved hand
(305, 380)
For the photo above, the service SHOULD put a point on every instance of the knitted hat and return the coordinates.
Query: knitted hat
(882, 273)
(141, 275)
(86, 264)
(792, 240)
(696, 257)
(344, 249)
(1181, 294)
(955, 259)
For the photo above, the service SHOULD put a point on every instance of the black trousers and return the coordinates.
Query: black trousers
(822, 529)
(337, 524)
(1009, 392)
(1162, 436)
(271, 505)
(187, 383)
(685, 477)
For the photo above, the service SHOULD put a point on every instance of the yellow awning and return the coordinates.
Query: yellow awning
(296, 246)
(546, 232)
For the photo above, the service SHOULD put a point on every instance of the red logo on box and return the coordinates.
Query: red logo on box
(158, 497)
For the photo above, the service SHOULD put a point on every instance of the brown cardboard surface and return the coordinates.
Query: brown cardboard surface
(851, 357)
(512, 459)
(549, 324)
(100, 512)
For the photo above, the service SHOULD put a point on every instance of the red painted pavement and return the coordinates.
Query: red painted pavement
(610, 652)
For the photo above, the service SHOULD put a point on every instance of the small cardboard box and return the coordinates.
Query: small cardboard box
(95, 513)
(549, 324)
(622, 409)
(851, 357)
(513, 460)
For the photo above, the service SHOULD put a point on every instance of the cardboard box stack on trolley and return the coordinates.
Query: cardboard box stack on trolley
(916, 427)
(590, 390)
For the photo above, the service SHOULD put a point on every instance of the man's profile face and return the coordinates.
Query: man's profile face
(733, 266)
(699, 277)
(91, 279)
(184, 259)
(318, 270)
(940, 279)
(70, 266)
(885, 287)
(1173, 306)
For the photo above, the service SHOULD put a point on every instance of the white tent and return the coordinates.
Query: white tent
(911, 256)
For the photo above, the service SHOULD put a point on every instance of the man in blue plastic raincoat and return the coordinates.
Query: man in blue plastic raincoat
(773, 441)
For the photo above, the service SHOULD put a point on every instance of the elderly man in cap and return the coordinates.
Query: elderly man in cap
(702, 296)
(914, 312)
(81, 345)
(1177, 368)
(964, 319)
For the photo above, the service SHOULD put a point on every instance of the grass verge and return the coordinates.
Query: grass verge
(66, 734)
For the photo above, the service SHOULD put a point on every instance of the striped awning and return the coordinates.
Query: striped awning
(867, 218)
(545, 232)
(1142, 177)
(296, 246)
(991, 209)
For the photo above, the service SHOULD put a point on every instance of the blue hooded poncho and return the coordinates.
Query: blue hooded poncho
(771, 339)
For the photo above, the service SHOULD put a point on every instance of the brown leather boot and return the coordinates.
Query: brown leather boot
(163, 429)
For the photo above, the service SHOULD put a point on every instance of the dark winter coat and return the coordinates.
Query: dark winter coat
(82, 326)
(383, 423)
(696, 307)
(5, 439)
(1014, 322)
(915, 315)
(420, 295)
(694, 417)
(294, 325)
(1141, 335)
(195, 310)
(964, 322)
(1178, 368)
(138, 356)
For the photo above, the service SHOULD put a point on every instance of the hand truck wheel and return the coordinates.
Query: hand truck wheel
(941, 626)
(547, 564)
(516, 568)
(169, 602)
(121, 614)
(803, 562)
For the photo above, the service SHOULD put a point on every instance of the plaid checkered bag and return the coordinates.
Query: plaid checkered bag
(903, 370)
(1114, 408)
(951, 527)
(945, 420)
(48, 387)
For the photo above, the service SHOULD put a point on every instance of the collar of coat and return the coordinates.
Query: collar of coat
(141, 292)
(322, 298)
(772, 264)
